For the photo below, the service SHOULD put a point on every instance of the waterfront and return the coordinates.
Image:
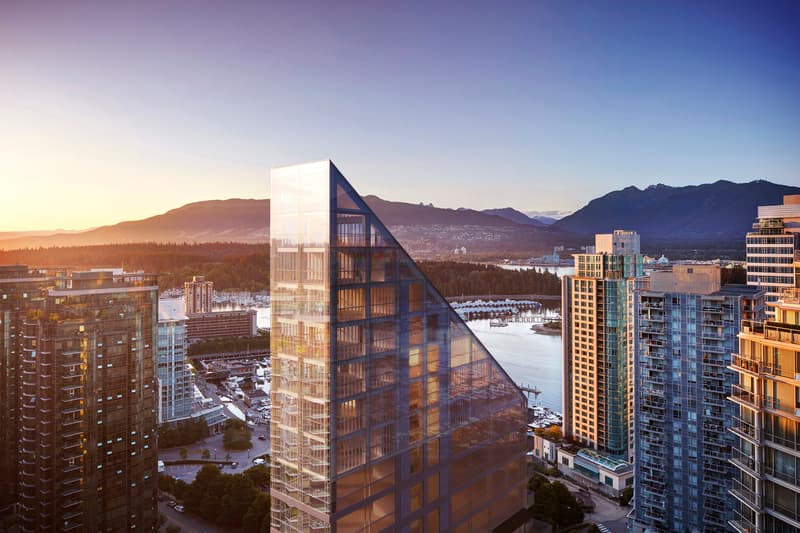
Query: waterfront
(529, 358)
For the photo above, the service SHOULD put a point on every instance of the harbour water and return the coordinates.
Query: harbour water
(529, 358)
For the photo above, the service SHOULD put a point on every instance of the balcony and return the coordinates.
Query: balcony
(746, 430)
(739, 362)
(742, 525)
(743, 461)
(745, 495)
(745, 397)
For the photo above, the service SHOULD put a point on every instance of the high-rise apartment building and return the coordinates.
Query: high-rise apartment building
(87, 405)
(686, 328)
(387, 413)
(597, 332)
(771, 247)
(20, 288)
(197, 294)
(175, 382)
(766, 424)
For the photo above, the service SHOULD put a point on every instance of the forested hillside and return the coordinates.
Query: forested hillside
(236, 266)
(457, 279)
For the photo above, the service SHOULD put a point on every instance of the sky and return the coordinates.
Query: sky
(114, 111)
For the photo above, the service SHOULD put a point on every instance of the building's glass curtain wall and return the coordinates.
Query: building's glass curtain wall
(683, 350)
(388, 415)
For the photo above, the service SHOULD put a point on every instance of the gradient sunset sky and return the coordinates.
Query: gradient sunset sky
(112, 111)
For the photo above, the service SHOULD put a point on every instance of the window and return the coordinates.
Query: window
(350, 305)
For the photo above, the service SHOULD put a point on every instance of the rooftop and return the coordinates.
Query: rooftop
(171, 309)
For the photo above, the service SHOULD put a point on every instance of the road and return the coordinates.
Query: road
(187, 522)
(606, 512)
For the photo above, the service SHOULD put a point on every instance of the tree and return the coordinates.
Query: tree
(237, 436)
(184, 453)
(258, 474)
(259, 510)
(239, 492)
(626, 496)
(554, 504)
(553, 433)
(206, 454)
(173, 528)
(593, 529)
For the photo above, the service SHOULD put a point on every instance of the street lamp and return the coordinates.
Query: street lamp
(215, 454)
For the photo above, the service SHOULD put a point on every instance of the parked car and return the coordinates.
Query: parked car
(258, 461)
(172, 503)
(262, 437)
(179, 508)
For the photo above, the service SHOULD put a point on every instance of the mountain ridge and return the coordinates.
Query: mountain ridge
(719, 210)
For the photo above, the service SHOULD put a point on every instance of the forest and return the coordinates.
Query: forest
(237, 266)
(230, 265)
(457, 279)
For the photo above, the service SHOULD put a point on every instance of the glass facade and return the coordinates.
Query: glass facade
(683, 351)
(388, 414)
(175, 382)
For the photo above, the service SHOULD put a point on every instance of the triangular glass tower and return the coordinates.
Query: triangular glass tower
(387, 413)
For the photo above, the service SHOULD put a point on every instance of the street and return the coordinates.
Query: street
(186, 521)
(606, 512)
(213, 444)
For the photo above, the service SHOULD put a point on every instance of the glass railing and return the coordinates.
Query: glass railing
(744, 395)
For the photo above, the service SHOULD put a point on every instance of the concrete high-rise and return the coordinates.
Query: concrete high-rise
(197, 294)
(87, 405)
(597, 332)
(686, 328)
(771, 247)
(387, 413)
(766, 423)
(20, 289)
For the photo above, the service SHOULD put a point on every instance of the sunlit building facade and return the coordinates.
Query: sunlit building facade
(87, 435)
(197, 294)
(20, 288)
(388, 414)
(597, 328)
(766, 424)
(686, 329)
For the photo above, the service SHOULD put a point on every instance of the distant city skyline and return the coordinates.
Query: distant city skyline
(137, 109)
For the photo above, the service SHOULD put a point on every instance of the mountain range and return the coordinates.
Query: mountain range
(718, 211)
(722, 211)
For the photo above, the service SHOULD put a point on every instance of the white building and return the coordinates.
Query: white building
(771, 248)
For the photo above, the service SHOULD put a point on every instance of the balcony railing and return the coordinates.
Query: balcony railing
(743, 461)
(742, 524)
(745, 429)
(745, 363)
(745, 494)
(743, 395)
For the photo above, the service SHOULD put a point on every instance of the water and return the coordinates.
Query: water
(528, 357)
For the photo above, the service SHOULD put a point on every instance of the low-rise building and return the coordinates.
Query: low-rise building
(595, 469)
(545, 449)
(221, 324)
